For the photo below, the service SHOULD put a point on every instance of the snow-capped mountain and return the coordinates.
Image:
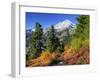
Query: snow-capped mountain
(64, 25)
(64, 29)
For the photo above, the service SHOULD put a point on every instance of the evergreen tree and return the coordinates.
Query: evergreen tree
(36, 40)
(60, 48)
(52, 40)
(65, 36)
(82, 31)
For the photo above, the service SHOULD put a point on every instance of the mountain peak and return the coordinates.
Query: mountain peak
(64, 25)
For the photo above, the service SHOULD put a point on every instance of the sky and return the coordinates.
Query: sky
(47, 19)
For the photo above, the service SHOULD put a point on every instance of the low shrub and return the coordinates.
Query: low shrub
(45, 58)
(68, 53)
(80, 56)
(85, 53)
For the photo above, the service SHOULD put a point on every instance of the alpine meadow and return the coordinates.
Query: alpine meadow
(54, 39)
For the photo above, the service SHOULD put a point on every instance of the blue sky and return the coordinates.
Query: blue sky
(47, 19)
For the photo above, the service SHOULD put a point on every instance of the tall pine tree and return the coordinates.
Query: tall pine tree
(82, 31)
(36, 40)
(52, 40)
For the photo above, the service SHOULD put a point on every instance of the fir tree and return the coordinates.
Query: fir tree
(36, 40)
(52, 40)
(82, 31)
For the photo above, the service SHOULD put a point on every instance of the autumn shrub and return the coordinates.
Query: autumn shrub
(83, 59)
(80, 56)
(57, 57)
(45, 58)
(36, 62)
(69, 53)
(84, 50)
(29, 63)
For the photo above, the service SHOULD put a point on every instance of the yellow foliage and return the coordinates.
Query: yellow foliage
(69, 51)
(45, 55)
(45, 58)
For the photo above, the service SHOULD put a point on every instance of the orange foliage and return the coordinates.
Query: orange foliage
(45, 59)
(71, 56)
(68, 53)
